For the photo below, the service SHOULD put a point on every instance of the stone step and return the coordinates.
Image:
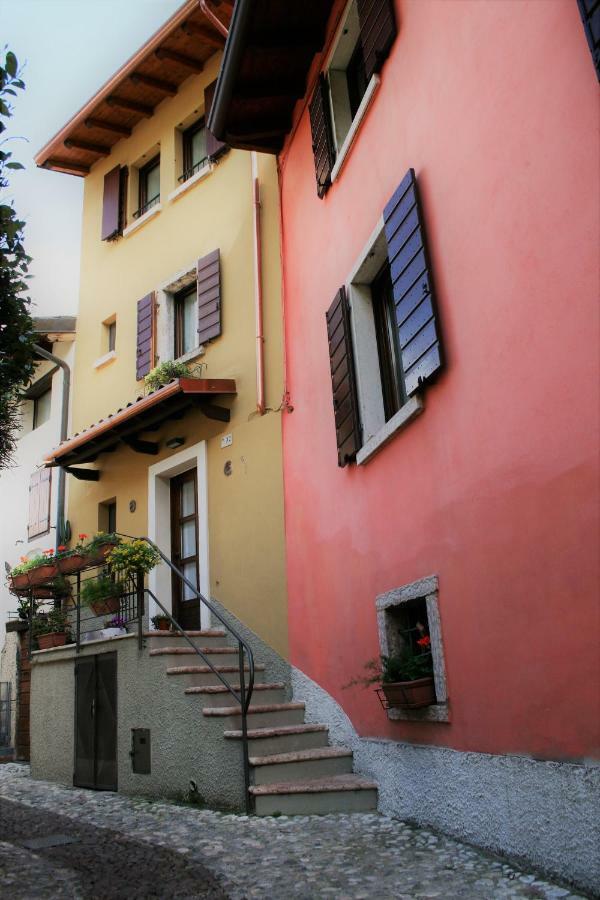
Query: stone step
(201, 676)
(337, 793)
(220, 655)
(208, 637)
(217, 695)
(302, 765)
(286, 739)
(271, 715)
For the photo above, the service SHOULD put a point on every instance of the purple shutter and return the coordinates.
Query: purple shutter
(111, 204)
(144, 360)
(343, 382)
(416, 316)
(214, 147)
(39, 503)
(209, 297)
(377, 32)
(322, 141)
(123, 179)
(589, 11)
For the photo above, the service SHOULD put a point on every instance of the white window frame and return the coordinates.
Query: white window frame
(165, 317)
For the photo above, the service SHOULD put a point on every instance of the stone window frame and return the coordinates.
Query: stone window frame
(423, 589)
(165, 296)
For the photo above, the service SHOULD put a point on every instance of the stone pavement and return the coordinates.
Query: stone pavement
(111, 846)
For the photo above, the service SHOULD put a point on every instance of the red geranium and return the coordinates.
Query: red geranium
(424, 641)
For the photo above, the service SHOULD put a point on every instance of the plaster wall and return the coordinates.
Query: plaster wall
(494, 487)
(14, 481)
(540, 813)
(245, 509)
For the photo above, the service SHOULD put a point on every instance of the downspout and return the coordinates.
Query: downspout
(64, 424)
(258, 293)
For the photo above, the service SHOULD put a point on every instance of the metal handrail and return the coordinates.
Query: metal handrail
(245, 694)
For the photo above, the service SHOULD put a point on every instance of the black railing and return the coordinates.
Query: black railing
(146, 206)
(193, 169)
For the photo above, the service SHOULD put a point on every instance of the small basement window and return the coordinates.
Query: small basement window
(405, 616)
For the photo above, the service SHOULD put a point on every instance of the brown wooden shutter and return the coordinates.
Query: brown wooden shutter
(416, 315)
(39, 503)
(214, 147)
(343, 382)
(209, 297)
(144, 360)
(589, 11)
(322, 141)
(377, 32)
(123, 179)
(110, 204)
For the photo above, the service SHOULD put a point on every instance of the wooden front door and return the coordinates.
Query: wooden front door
(184, 547)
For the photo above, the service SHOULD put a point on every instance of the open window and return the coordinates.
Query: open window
(185, 320)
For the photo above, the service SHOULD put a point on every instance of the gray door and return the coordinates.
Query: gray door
(96, 722)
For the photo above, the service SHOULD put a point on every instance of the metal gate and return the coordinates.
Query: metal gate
(5, 699)
(96, 722)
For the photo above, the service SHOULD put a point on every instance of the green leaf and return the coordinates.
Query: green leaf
(14, 165)
(11, 64)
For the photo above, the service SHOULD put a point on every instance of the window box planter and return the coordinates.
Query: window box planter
(52, 639)
(409, 694)
(68, 565)
(42, 574)
(106, 606)
(19, 582)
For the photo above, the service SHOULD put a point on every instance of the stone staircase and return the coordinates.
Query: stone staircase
(293, 770)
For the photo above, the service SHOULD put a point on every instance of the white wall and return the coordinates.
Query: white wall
(14, 483)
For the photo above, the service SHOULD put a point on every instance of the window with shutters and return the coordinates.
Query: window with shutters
(185, 329)
(39, 503)
(345, 90)
(114, 203)
(391, 345)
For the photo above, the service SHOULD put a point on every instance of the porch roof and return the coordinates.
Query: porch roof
(144, 414)
(180, 48)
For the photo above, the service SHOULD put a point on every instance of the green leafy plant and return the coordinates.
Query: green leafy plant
(133, 556)
(57, 621)
(95, 590)
(100, 540)
(17, 354)
(164, 373)
(407, 665)
(156, 620)
(60, 586)
(26, 564)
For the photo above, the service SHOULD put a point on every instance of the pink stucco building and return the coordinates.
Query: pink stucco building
(440, 224)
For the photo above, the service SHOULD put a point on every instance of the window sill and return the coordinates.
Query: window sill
(411, 409)
(356, 122)
(439, 712)
(104, 360)
(153, 211)
(191, 355)
(199, 176)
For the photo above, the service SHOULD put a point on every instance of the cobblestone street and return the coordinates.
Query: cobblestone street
(59, 842)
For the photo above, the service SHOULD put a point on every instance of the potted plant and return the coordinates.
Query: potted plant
(165, 372)
(114, 627)
(102, 595)
(100, 546)
(73, 560)
(33, 571)
(131, 557)
(51, 630)
(405, 678)
(161, 622)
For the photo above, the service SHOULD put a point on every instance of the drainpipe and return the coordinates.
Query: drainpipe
(258, 294)
(213, 18)
(64, 424)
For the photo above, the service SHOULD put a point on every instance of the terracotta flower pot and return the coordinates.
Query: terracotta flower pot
(410, 694)
(100, 553)
(68, 565)
(43, 573)
(163, 625)
(52, 639)
(105, 606)
(19, 582)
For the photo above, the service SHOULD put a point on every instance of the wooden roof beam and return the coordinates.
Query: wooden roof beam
(131, 105)
(209, 37)
(167, 87)
(122, 130)
(65, 165)
(181, 58)
(76, 144)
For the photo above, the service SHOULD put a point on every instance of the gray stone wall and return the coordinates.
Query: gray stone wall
(544, 814)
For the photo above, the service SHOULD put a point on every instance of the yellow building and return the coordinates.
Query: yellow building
(178, 263)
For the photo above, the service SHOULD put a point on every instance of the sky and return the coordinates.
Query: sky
(68, 49)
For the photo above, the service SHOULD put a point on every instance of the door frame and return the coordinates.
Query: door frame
(159, 521)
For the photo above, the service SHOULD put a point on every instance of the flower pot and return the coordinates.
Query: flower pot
(112, 632)
(410, 694)
(43, 573)
(52, 639)
(19, 582)
(98, 556)
(163, 625)
(105, 606)
(68, 565)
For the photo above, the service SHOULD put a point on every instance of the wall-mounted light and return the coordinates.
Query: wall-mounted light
(175, 442)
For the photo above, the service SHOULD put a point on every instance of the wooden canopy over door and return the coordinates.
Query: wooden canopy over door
(184, 547)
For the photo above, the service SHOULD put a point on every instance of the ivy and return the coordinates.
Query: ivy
(17, 356)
